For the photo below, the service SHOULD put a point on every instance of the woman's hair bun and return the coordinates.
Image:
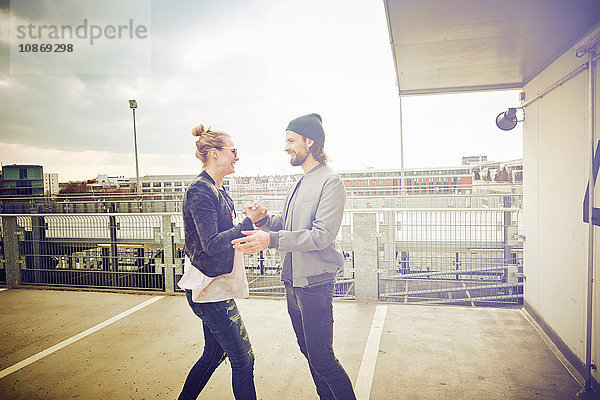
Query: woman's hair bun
(199, 130)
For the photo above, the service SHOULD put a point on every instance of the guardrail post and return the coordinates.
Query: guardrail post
(11, 250)
(366, 279)
(114, 252)
(507, 225)
(38, 228)
(389, 239)
(509, 228)
(168, 252)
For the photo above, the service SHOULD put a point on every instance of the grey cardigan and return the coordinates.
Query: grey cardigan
(305, 231)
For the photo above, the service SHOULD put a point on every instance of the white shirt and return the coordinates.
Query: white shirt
(223, 287)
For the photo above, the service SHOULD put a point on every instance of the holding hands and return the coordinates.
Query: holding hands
(255, 240)
(255, 210)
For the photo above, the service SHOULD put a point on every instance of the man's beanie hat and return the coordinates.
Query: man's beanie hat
(309, 126)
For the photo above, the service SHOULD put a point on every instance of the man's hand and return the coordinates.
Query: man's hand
(254, 210)
(254, 242)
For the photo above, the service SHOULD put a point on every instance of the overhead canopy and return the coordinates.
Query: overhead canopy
(449, 46)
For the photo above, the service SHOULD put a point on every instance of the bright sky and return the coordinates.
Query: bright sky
(247, 67)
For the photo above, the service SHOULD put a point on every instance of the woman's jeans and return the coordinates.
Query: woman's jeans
(224, 335)
(311, 311)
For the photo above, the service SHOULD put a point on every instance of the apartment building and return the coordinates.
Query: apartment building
(388, 182)
(51, 183)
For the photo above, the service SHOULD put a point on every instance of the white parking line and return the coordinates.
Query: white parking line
(64, 343)
(367, 365)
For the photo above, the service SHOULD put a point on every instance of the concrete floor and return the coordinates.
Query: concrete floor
(426, 352)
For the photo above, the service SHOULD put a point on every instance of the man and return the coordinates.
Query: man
(304, 233)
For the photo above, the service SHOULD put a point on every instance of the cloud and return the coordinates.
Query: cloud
(79, 165)
(245, 66)
(70, 165)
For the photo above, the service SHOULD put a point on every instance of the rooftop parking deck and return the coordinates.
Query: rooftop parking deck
(425, 352)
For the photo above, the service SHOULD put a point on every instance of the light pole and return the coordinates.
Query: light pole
(133, 106)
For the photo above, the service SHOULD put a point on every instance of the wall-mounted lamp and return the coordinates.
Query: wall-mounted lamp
(507, 120)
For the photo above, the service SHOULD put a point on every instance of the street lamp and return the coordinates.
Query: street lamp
(133, 106)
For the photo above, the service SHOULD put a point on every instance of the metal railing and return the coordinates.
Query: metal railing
(451, 249)
(107, 251)
(451, 256)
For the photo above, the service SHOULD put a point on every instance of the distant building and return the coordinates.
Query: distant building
(266, 184)
(369, 182)
(51, 186)
(387, 182)
(498, 177)
(470, 160)
(162, 183)
(236, 185)
(438, 180)
(22, 180)
(110, 183)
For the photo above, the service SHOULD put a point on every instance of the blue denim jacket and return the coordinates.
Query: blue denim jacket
(208, 215)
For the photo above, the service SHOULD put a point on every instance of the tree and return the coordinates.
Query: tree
(74, 187)
(502, 175)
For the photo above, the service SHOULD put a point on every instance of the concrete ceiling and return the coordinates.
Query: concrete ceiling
(450, 46)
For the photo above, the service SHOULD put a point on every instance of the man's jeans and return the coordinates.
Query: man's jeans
(311, 311)
(224, 335)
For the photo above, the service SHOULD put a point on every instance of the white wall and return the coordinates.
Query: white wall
(556, 157)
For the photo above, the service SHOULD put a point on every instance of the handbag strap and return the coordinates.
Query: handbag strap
(210, 184)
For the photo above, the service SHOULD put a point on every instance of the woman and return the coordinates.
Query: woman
(214, 271)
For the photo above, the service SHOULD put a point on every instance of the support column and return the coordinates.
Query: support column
(168, 253)
(11, 250)
(366, 280)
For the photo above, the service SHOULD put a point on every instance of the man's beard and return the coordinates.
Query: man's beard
(300, 157)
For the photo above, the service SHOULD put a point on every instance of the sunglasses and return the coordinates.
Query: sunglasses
(233, 149)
